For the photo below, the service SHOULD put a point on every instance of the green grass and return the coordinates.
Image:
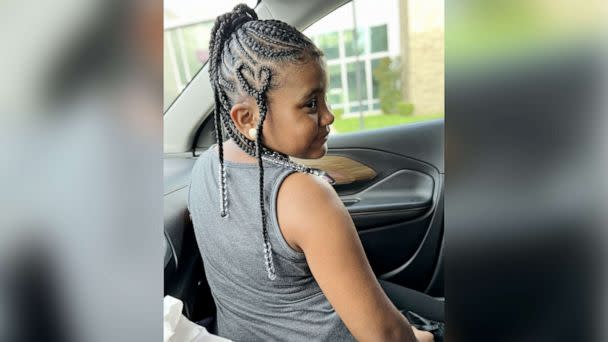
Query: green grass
(378, 121)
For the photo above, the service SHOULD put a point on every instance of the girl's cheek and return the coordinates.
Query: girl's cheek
(314, 118)
(314, 125)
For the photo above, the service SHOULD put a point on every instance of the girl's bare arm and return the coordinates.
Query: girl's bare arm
(313, 220)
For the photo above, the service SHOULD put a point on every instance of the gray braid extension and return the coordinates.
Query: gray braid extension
(244, 51)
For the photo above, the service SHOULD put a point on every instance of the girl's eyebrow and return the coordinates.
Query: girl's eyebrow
(310, 93)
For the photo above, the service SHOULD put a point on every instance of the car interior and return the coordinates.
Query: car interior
(395, 197)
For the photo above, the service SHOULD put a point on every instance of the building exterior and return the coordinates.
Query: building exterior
(352, 55)
(422, 44)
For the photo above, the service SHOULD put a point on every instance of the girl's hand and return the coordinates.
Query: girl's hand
(422, 336)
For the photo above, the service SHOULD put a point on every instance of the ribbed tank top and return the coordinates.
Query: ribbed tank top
(251, 307)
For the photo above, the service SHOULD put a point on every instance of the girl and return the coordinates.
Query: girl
(281, 254)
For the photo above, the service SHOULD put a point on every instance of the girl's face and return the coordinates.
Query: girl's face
(298, 120)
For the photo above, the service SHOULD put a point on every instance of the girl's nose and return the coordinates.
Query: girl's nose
(328, 117)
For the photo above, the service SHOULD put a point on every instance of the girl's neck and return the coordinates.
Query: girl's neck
(234, 153)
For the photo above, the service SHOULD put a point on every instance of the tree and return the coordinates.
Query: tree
(387, 77)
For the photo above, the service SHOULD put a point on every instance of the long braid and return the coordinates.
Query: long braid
(219, 35)
(222, 170)
(267, 247)
(263, 107)
(244, 52)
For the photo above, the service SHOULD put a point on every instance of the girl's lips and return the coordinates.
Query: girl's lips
(324, 137)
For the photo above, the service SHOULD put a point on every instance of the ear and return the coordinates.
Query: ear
(244, 116)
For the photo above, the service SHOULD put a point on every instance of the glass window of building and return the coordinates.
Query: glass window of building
(328, 42)
(335, 97)
(379, 38)
(375, 71)
(335, 76)
(357, 89)
(352, 47)
(335, 94)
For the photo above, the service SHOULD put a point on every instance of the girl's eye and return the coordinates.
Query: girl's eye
(312, 104)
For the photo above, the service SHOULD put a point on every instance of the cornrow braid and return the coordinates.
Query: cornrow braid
(243, 53)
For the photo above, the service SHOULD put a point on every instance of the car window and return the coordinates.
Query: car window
(187, 29)
(385, 62)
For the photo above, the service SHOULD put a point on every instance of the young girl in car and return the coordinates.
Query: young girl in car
(281, 254)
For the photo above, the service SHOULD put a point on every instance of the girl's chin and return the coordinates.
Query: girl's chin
(314, 152)
(320, 152)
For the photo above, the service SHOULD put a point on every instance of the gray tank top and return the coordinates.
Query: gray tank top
(251, 307)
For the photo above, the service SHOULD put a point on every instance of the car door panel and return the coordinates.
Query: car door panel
(402, 190)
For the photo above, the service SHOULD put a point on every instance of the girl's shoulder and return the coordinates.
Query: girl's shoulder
(304, 185)
(304, 202)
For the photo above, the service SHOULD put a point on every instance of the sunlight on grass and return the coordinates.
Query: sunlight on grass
(347, 125)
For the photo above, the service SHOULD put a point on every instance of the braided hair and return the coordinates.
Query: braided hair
(244, 55)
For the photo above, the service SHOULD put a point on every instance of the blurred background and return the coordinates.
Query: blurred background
(525, 210)
(85, 83)
(81, 171)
